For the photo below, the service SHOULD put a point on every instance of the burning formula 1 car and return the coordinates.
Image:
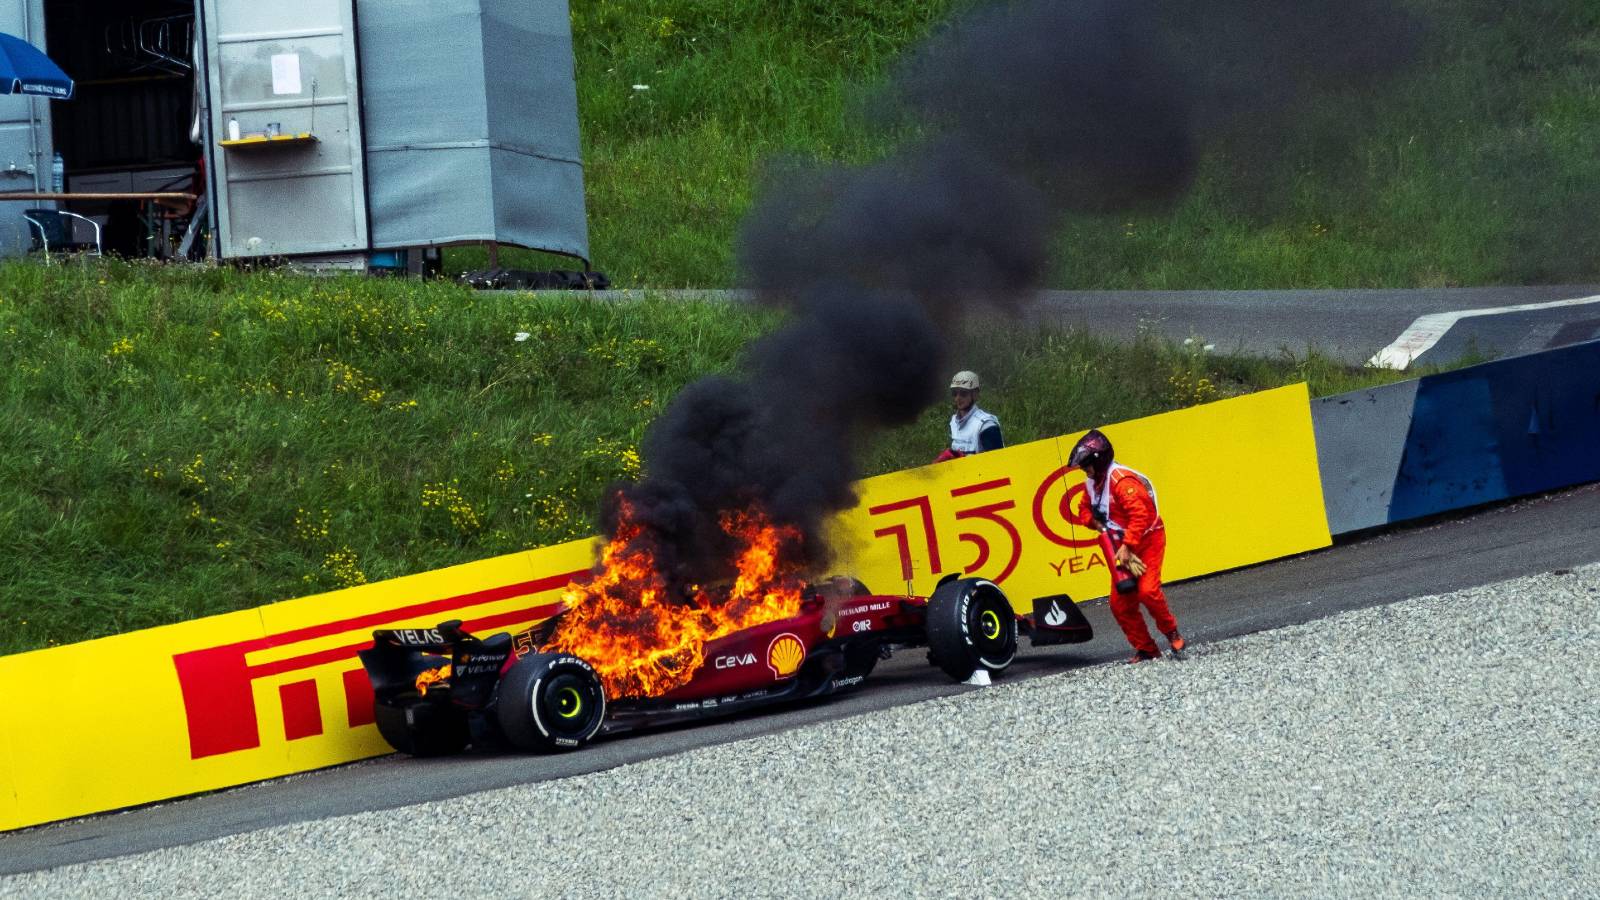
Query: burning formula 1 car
(436, 690)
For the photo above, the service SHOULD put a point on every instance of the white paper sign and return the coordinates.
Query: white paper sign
(286, 73)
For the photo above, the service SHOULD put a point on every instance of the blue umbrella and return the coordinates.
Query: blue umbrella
(24, 69)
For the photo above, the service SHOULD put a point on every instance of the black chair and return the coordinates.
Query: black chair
(52, 229)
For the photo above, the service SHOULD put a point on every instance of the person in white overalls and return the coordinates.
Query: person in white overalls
(972, 430)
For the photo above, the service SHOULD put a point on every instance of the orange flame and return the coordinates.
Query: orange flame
(432, 676)
(644, 643)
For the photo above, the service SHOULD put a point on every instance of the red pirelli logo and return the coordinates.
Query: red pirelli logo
(219, 703)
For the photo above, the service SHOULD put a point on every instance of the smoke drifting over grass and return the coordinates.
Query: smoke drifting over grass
(1025, 111)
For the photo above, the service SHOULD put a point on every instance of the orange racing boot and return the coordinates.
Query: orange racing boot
(1176, 642)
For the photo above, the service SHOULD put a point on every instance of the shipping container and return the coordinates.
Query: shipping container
(328, 131)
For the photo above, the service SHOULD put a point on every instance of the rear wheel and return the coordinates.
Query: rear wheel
(422, 728)
(970, 625)
(486, 733)
(551, 701)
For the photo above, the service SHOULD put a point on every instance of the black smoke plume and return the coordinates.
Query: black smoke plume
(1021, 112)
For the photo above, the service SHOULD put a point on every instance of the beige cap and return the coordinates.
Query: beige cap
(964, 379)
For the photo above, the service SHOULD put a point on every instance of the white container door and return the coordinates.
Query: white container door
(275, 71)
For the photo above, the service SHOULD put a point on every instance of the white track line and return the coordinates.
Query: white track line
(1427, 330)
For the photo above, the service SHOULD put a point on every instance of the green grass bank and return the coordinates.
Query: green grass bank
(1477, 166)
(183, 442)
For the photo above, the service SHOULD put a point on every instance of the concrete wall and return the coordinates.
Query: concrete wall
(1502, 429)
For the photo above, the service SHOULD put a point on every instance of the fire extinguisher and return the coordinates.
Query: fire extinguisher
(1122, 580)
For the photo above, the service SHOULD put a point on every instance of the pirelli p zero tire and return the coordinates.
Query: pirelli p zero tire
(970, 625)
(423, 729)
(551, 701)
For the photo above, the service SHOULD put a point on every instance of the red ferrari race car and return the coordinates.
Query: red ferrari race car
(437, 690)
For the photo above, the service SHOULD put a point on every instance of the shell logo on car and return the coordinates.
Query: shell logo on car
(785, 654)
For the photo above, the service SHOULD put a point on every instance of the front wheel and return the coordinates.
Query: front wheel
(551, 701)
(970, 625)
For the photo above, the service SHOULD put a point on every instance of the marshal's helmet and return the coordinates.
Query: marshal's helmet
(1092, 453)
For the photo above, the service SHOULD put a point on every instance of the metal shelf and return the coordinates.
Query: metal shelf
(262, 140)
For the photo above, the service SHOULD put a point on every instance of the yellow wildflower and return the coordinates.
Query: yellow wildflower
(447, 497)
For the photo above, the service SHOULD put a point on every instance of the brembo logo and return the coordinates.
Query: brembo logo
(218, 700)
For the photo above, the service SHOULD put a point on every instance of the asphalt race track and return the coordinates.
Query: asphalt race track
(1548, 533)
(1348, 325)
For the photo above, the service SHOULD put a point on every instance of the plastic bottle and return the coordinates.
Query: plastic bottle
(58, 174)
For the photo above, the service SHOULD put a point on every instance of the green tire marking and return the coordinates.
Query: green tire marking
(569, 696)
(991, 624)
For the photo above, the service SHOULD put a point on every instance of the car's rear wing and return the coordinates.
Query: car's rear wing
(445, 660)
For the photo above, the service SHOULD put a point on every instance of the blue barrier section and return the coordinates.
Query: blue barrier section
(1452, 451)
(1502, 429)
(1549, 420)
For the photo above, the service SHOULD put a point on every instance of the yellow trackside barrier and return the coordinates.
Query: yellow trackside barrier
(239, 697)
(1236, 482)
(9, 817)
(266, 692)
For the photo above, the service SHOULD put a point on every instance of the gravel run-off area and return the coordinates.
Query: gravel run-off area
(1440, 746)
